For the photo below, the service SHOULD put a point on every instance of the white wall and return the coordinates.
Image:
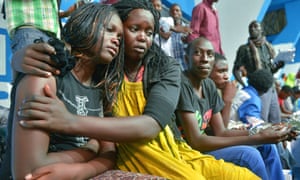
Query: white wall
(235, 16)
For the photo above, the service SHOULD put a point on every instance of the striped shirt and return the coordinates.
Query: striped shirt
(42, 14)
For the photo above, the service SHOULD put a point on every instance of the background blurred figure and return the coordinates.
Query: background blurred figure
(163, 38)
(205, 22)
(256, 54)
(285, 92)
(295, 148)
(179, 34)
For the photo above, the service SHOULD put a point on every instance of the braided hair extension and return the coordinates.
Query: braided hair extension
(82, 31)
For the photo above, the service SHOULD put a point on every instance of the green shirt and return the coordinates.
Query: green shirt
(42, 14)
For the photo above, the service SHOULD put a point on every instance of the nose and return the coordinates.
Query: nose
(142, 36)
(226, 77)
(204, 57)
(116, 40)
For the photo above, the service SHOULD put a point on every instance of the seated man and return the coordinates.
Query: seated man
(199, 107)
(246, 106)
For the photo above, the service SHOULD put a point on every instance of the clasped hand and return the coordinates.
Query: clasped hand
(277, 133)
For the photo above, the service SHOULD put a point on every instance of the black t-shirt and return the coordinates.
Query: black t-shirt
(203, 108)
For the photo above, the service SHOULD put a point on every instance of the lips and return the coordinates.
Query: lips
(113, 50)
(139, 49)
(204, 67)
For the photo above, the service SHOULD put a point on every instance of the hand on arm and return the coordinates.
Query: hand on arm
(75, 171)
(104, 161)
(50, 114)
(34, 59)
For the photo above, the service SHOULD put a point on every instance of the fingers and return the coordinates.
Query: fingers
(35, 176)
(35, 102)
(36, 71)
(37, 59)
(33, 124)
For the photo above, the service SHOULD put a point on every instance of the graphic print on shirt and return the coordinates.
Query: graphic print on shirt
(203, 120)
(80, 104)
(81, 108)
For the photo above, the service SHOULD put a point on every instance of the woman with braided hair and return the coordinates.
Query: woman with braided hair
(94, 32)
(143, 125)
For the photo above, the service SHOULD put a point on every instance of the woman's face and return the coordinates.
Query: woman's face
(112, 35)
(138, 33)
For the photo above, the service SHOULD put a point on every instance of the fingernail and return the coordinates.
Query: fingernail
(48, 73)
(57, 72)
(28, 176)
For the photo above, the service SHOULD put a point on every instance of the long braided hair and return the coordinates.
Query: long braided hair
(82, 33)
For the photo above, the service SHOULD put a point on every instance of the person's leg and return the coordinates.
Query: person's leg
(295, 145)
(270, 111)
(275, 112)
(244, 156)
(265, 105)
(272, 161)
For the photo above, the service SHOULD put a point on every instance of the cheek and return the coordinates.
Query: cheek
(150, 41)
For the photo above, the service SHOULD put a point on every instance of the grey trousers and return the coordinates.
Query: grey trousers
(270, 111)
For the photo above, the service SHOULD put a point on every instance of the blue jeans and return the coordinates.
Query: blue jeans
(244, 156)
(296, 152)
(296, 173)
(25, 36)
(272, 161)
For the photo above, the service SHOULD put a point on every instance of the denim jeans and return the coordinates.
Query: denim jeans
(295, 148)
(264, 160)
(272, 161)
(25, 36)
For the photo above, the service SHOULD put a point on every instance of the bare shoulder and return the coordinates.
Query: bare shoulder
(33, 85)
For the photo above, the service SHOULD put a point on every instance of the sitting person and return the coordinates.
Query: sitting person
(227, 89)
(83, 90)
(199, 107)
(291, 103)
(143, 125)
(284, 92)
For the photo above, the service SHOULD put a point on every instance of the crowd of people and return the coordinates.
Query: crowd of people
(118, 88)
